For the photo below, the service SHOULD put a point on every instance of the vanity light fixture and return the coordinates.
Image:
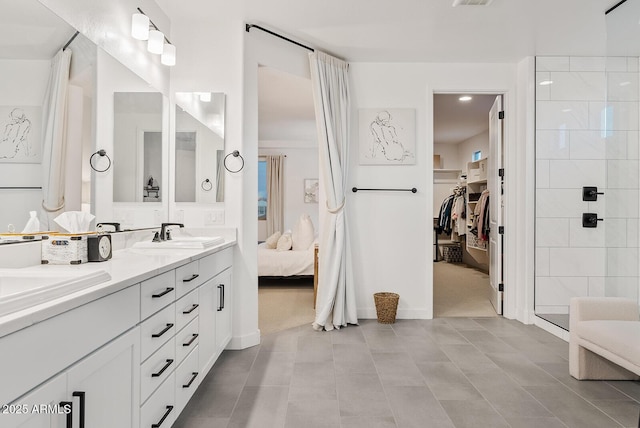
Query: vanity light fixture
(465, 98)
(140, 26)
(143, 28)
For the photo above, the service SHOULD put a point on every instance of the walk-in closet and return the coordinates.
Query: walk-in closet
(462, 202)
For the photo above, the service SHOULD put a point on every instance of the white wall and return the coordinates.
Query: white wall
(301, 162)
(392, 233)
(467, 147)
(580, 141)
(448, 155)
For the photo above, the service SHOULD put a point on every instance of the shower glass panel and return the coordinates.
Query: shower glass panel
(587, 121)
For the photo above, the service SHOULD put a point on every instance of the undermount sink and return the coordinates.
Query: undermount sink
(21, 289)
(182, 242)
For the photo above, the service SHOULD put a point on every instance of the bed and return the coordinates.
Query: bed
(272, 262)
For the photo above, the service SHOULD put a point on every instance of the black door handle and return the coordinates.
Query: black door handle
(81, 396)
(188, 384)
(166, 366)
(194, 336)
(164, 330)
(193, 308)
(194, 276)
(69, 419)
(221, 306)
(166, 414)
(164, 293)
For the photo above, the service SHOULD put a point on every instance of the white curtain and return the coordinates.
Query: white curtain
(54, 144)
(275, 194)
(335, 304)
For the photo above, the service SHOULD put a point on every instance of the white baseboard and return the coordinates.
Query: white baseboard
(243, 342)
(551, 328)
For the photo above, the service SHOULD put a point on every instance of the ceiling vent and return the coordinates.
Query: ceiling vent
(471, 2)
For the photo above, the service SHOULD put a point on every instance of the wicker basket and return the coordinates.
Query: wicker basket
(386, 306)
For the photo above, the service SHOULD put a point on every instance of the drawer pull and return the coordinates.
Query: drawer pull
(68, 405)
(194, 376)
(194, 336)
(194, 276)
(164, 330)
(166, 414)
(193, 308)
(81, 396)
(164, 293)
(166, 366)
(221, 288)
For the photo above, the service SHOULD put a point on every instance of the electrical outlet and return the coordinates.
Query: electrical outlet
(213, 217)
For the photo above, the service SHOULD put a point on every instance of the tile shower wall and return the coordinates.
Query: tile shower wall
(587, 122)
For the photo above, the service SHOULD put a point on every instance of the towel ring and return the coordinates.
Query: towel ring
(102, 153)
(235, 154)
(206, 185)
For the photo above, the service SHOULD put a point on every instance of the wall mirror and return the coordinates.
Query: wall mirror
(199, 147)
(138, 148)
(32, 35)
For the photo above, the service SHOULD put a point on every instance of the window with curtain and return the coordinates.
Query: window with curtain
(262, 189)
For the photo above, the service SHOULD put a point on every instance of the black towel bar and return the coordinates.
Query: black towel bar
(412, 190)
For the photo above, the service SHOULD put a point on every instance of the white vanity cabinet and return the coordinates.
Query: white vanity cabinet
(130, 359)
(99, 388)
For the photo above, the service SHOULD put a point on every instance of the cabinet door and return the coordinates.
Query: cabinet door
(104, 387)
(223, 310)
(41, 408)
(208, 300)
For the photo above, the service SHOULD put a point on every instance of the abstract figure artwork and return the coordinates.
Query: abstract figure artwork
(20, 134)
(387, 136)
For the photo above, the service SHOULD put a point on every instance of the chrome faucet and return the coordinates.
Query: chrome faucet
(165, 234)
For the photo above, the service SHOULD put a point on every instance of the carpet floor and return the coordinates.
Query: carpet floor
(284, 303)
(460, 291)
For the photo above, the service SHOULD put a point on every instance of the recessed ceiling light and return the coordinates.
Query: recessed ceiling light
(546, 82)
(625, 83)
(465, 98)
(566, 110)
(471, 2)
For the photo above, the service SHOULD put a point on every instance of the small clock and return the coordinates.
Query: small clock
(99, 247)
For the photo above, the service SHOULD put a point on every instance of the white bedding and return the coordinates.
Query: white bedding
(284, 263)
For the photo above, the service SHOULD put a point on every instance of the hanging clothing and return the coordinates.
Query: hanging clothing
(444, 216)
(480, 225)
(458, 214)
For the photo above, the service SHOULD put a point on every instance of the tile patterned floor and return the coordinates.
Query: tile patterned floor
(446, 372)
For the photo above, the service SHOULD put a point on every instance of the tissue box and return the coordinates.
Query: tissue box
(64, 249)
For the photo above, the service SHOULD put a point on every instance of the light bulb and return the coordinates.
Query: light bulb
(156, 42)
(140, 26)
(168, 55)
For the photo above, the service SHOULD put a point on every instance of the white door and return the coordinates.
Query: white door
(494, 182)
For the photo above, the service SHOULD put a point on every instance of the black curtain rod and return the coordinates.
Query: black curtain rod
(412, 190)
(64, 48)
(250, 26)
(612, 8)
(20, 188)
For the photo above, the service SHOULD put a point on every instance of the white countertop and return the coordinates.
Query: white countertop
(127, 267)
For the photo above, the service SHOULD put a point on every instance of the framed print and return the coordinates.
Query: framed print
(387, 136)
(310, 190)
(20, 134)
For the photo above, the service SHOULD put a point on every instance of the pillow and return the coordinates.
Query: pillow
(284, 243)
(303, 234)
(272, 241)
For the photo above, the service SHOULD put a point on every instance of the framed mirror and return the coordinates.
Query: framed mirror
(138, 148)
(199, 147)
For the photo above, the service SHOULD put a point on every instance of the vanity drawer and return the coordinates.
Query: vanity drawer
(213, 264)
(155, 331)
(159, 410)
(187, 380)
(187, 278)
(156, 369)
(187, 308)
(157, 292)
(48, 347)
(186, 340)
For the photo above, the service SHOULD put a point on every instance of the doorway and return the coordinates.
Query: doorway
(287, 138)
(467, 253)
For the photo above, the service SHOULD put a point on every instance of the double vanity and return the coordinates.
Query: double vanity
(123, 343)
